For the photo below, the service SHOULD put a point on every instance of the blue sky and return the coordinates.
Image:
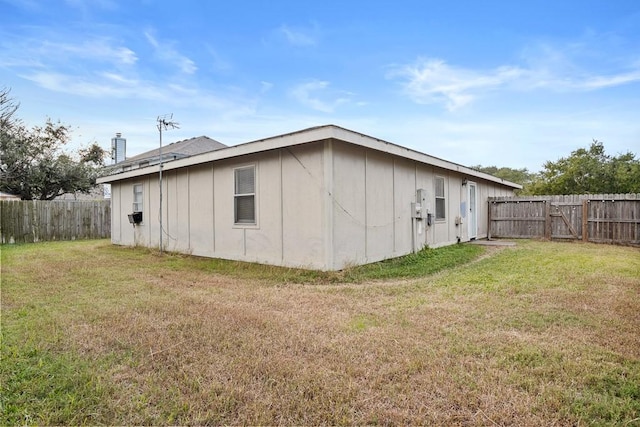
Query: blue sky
(505, 83)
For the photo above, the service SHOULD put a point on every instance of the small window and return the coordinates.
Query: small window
(440, 199)
(137, 198)
(244, 200)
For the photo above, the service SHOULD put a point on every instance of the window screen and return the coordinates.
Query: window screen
(244, 206)
(137, 198)
(440, 199)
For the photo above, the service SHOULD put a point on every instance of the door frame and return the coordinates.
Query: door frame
(472, 223)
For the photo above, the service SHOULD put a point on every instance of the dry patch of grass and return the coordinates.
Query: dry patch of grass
(542, 334)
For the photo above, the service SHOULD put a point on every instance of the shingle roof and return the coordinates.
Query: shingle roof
(184, 148)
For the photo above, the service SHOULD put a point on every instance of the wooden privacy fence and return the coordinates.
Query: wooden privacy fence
(27, 221)
(601, 218)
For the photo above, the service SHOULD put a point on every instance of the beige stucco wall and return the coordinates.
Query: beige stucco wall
(372, 198)
(373, 193)
(323, 205)
(198, 210)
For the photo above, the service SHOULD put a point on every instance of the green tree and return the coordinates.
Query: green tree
(7, 108)
(625, 174)
(519, 176)
(33, 164)
(589, 171)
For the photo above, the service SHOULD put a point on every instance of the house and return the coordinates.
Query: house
(8, 196)
(320, 198)
(176, 150)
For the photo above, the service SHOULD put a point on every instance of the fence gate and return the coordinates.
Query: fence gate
(565, 220)
(603, 218)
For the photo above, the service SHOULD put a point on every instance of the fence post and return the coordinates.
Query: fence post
(547, 219)
(585, 220)
(489, 220)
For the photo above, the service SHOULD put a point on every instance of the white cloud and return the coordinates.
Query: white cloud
(47, 52)
(265, 87)
(96, 86)
(580, 66)
(298, 36)
(431, 80)
(310, 94)
(110, 85)
(167, 53)
(102, 70)
(97, 49)
(218, 63)
(29, 5)
(599, 82)
(85, 5)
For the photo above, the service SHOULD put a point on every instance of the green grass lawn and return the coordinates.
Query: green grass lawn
(540, 334)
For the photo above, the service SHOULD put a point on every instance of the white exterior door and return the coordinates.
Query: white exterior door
(473, 211)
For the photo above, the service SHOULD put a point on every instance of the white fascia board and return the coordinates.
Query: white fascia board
(320, 133)
(407, 153)
(273, 143)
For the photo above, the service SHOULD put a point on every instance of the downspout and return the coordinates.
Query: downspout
(413, 234)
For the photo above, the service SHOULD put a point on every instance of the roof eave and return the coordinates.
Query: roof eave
(303, 137)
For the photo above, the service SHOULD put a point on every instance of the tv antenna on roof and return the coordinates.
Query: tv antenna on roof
(164, 122)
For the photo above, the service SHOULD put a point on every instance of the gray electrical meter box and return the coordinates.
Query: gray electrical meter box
(419, 208)
(421, 198)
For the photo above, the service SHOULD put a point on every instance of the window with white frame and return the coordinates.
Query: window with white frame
(137, 198)
(440, 198)
(244, 198)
